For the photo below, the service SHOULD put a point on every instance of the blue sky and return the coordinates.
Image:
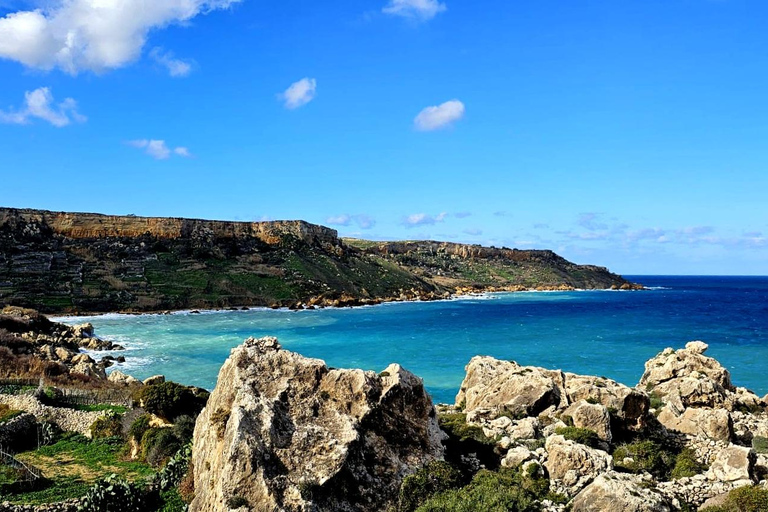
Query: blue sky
(630, 134)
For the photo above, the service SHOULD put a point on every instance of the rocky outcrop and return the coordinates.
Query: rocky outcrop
(284, 432)
(697, 393)
(494, 388)
(711, 423)
(619, 492)
(27, 333)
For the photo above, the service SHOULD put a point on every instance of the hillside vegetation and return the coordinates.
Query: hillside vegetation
(72, 262)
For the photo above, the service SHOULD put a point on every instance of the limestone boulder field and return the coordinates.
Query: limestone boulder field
(282, 432)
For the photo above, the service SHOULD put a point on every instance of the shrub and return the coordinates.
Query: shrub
(656, 400)
(580, 435)
(686, 465)
(456, 425)
(744, 499)
(749, 499)
(187, 485)
(113, 495)
(170, 400)
(760, 444)
(158, 445)
(502, 491)
(647, 455)
(435, 477)
(184, 428)
(105, 426)
(139, 427)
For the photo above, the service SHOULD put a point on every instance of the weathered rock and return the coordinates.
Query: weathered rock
(733, 464)
(506, 387)
(83, 330)
(620, 492)
(575, 464)
(287, 433)
(595, 417)
(153, 380)
(627, 404)
(711, 423)
(516, 456)
(715, 501)
(121, 378)
(690, 378)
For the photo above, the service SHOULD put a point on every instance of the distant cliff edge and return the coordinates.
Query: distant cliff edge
(83, 262)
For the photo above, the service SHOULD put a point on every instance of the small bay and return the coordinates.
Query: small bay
(604, 333)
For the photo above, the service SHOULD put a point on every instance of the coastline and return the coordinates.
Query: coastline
(362, 303)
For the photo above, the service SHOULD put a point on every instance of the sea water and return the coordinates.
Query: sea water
(607, 333)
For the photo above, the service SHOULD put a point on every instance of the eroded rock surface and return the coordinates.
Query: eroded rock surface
(287, 433)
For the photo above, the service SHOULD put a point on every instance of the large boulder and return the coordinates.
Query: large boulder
(687, 378)
(710, 423)
(284, 432)
(620, 492)
(506, 387)
(574, 464)
(733, 464)
(594, 417)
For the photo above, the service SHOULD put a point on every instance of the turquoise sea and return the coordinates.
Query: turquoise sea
(605, 333)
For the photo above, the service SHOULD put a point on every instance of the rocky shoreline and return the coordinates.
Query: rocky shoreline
(354, 302)
(680, 439)
(284, 432)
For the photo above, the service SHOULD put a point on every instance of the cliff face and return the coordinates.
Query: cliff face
(93, 225)
(82, 262)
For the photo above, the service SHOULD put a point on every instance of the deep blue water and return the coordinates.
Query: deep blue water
(594, 332)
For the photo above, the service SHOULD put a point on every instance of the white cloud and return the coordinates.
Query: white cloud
(440, 116)
(423, 219)
(417, 9)
(339, 220)
(176, 67)
(299, 93)
(158, 149)
(40, 104)
(96, 35)
(362, 220)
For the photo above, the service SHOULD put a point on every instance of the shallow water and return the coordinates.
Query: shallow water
(594, 332)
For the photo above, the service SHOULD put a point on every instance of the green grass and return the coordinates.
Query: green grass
(760, 444)
(649, 456)
(74, 463)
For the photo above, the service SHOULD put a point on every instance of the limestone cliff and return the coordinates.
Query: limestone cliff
(282, 432)
(81, 262)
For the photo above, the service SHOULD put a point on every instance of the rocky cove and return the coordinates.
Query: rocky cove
(284, 432)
